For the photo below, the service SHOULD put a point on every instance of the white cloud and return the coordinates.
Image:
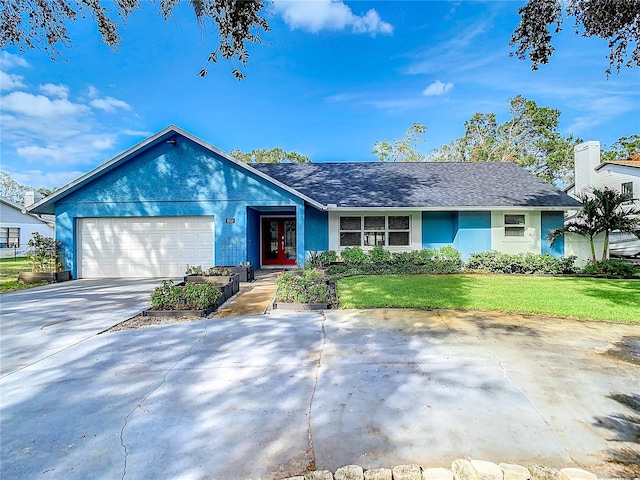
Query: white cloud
(92, 92)
(8, 60)
(103, 143)
(10, 81)
(53, 90)
(316, 15)
(109, 104)
(137, 133)
(46, 179)
(437, 88)
(24, 103)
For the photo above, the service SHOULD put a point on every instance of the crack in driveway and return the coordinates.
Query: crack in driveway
(312, 464)
(144, 399)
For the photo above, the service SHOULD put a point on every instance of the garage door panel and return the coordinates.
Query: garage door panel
(144, 247)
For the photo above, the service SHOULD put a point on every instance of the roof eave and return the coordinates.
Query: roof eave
(465, 208)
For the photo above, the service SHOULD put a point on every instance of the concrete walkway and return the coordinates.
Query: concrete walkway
(254, 298)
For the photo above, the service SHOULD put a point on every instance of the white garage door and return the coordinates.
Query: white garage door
(144, 246)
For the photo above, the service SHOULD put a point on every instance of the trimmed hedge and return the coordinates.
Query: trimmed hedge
(523, 263)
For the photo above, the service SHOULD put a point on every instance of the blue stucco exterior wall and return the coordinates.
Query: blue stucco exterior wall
(180, 180)
(438, 229)
(316, 229)
(468, 232)
(550, 221)
(474, 233)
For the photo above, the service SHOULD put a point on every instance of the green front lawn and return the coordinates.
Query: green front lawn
(586, 298)
(9, 269)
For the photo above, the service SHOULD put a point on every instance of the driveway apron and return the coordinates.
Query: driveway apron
(271, 396)
(42, 321)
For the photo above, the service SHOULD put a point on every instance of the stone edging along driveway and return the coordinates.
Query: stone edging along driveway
(460, 470)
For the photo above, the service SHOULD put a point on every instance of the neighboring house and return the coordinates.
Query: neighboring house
(174, 200)
(16, 227)
(590, 172)
(619, 175)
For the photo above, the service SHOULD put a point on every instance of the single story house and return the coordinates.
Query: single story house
(17, 227)
(174, 200)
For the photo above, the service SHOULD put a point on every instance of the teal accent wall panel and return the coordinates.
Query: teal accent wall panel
(316, 229)
(473, 233)
(550, 221)
(438, 228)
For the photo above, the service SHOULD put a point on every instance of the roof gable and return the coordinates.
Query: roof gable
(166, 138)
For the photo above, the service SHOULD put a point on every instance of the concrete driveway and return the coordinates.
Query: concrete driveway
(270, 396)
(42, 321)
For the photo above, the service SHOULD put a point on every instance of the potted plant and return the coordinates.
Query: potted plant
(45, 256)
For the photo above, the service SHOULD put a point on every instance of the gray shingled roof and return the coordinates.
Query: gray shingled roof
(425, 184)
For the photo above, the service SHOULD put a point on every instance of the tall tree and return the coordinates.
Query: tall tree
(12, 190)
(616, 21)
(530, 138)
(43, 24)
(603, 211)
(403, 150)
(624, 147)
(273, 155)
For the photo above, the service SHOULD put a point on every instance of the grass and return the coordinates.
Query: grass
(584, 298)
(9, 269)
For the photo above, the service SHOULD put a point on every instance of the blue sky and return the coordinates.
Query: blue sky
(336, 77)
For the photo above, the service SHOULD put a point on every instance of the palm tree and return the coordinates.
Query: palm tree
(603, 211)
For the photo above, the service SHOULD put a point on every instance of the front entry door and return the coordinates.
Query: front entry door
(279, 241)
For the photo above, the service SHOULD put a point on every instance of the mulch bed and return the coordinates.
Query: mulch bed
(141, 321)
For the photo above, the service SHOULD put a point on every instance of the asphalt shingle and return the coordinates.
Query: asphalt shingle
(416, 185)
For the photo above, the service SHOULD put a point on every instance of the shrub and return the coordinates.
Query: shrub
(379, 255)
(185, 297)
(522, 263)
(616, 268)
(354, 256)
(209, 272)
(45, 254)
(443, 260)
(321, 259)
(309, 287)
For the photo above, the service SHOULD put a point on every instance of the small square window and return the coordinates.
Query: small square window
(627, 188)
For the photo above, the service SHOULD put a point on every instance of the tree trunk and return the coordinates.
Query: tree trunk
(593, 250)
(606, 246)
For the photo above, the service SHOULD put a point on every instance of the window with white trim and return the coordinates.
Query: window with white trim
(514, 225)
(9, 237)
(372, 230)
(627, 188)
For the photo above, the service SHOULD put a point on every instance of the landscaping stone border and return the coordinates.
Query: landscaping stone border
(51, 277)
(460, 470)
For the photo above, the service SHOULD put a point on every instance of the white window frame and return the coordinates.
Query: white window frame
(385, 231)
(6, 237)
(523, 226)
(626, 186)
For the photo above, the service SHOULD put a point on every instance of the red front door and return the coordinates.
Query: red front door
(278, 241)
